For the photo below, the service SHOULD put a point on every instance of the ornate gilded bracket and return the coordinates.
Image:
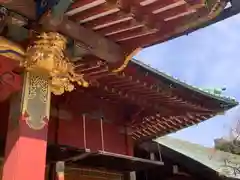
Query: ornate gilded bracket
(46, 56)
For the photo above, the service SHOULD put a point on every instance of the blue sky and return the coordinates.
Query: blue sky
(208, 58)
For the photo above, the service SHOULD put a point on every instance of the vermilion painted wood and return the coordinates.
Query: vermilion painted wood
(10, 82)
(25, 153)
(25, 149)
(71, 134)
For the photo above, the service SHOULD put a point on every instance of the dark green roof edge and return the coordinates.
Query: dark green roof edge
(228, 100)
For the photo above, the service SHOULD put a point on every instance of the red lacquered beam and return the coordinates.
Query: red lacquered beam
(158, 5)
(172, 12)
(116, 27)
(92, 12)
(106, 19)
(162, 4)
(134, 12)
(167, 31)
(127, 33)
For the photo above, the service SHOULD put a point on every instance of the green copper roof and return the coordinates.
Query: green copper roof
(212, 93)
(206, 156)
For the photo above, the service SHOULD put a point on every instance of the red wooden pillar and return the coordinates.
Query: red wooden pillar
(25, 152)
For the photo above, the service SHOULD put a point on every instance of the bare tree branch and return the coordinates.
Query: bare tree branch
(231, 164)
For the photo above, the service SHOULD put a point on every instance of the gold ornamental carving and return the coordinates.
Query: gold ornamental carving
(36, 98)
(46, 56)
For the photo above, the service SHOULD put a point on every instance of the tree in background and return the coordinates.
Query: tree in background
(227, 150)
(230, 144)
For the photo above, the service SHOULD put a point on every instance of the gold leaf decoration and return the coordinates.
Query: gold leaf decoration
(46, 56)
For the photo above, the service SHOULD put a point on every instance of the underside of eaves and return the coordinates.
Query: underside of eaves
(111, 29)
(141, 23)
(153, 103)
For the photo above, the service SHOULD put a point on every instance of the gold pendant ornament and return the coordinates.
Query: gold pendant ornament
(46, 56)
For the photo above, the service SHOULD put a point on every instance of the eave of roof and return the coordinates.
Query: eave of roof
(225, 14)
(125, 23)
(230, 101)
(147, 34)
(166, 109)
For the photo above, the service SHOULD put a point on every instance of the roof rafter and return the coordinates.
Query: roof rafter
(91, 41)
